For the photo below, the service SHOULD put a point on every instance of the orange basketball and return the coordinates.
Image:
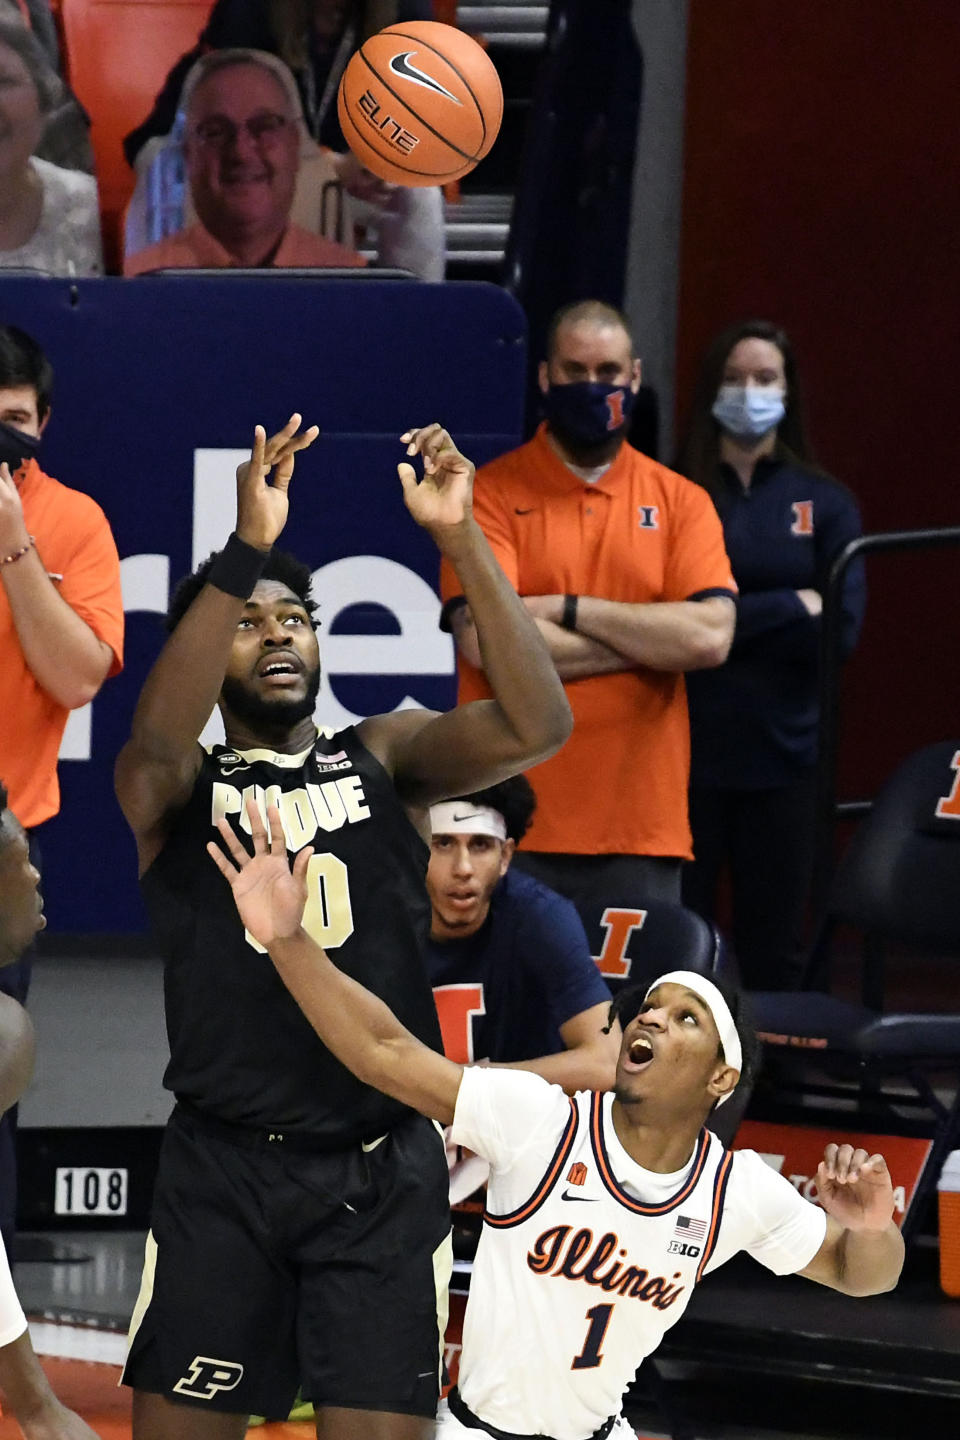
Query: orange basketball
(420, 103)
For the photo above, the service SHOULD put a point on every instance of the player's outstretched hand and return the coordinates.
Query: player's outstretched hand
(444, 497)
(262, 502)
(855, 1188)
(268, 894)
(54, 1421)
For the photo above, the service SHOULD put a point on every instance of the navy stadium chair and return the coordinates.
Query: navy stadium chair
(898, 885)
(632, 946)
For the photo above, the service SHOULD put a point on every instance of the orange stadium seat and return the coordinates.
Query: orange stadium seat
(117, 54)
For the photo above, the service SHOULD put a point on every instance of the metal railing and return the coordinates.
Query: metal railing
(517, 24)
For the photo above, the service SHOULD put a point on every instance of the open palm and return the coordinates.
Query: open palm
(269, 896)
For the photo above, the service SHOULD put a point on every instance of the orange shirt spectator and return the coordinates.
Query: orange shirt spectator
(76, 550)
(196, 248)
(570, 515)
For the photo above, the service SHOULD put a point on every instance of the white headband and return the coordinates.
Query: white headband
(719, 1009)
(459, 817)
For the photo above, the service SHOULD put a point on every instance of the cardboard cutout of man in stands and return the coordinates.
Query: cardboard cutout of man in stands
(242, 150)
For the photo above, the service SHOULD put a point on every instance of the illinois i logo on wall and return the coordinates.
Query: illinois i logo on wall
(802, 517)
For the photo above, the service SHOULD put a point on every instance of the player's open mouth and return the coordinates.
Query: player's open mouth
(639, 1052)
(279, 672)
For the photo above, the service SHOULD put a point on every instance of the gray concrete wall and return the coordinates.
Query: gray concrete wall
(101, 1043)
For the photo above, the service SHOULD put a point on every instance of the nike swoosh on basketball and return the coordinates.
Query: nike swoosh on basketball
(400, 65)
(584, 1199)
(525, 512)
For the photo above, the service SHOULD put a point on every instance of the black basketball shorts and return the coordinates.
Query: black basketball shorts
(269, 1269)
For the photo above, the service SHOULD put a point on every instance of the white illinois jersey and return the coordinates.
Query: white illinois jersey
(586, 1259)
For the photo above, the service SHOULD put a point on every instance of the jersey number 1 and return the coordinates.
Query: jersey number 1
(328, 914)
(590, 1357)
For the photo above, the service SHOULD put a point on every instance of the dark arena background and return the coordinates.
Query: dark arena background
(693, 162)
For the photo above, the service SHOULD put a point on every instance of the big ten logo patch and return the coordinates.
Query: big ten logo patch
(618, 926)
(208, 1377)
(948, 806)
(802, 511)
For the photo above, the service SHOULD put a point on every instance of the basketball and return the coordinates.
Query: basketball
(420, 103)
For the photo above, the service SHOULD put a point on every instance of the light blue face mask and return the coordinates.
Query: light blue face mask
(748, 411)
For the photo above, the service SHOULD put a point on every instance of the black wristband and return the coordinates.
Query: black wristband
(569, 617)
(237, 568)
(455, 603)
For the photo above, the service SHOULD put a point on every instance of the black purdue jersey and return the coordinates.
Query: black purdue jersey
(240, 1049)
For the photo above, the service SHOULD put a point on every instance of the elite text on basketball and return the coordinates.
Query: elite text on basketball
(391, 130)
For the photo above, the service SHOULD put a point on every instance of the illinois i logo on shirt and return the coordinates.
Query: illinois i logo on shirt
(802, 517)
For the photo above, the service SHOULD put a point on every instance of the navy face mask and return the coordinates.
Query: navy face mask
(587, 413)
(16, 446)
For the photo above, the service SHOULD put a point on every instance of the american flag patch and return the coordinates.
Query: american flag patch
(689, 1229)
(331, 759)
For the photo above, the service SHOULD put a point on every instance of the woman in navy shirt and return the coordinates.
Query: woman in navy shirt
(754, 721)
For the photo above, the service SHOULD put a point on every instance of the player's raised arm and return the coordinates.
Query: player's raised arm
(862, 1252)
(360, 1030)
(478, 744)
(158, 765)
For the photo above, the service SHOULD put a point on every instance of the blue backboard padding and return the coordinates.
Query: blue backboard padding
(150, 370)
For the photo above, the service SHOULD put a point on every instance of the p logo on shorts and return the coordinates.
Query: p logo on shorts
(208, 1377)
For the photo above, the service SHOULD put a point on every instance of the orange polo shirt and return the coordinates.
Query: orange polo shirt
(74, 542)
(195, 248)
(639, 534)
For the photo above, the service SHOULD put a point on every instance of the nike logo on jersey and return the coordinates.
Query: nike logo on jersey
(584, 1199)
(400, 65)
(230, 761)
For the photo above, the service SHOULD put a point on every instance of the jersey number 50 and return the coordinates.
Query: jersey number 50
(328, 914)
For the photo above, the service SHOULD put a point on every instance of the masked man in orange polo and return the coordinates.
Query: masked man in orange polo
(61, 628)
(624, 569)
